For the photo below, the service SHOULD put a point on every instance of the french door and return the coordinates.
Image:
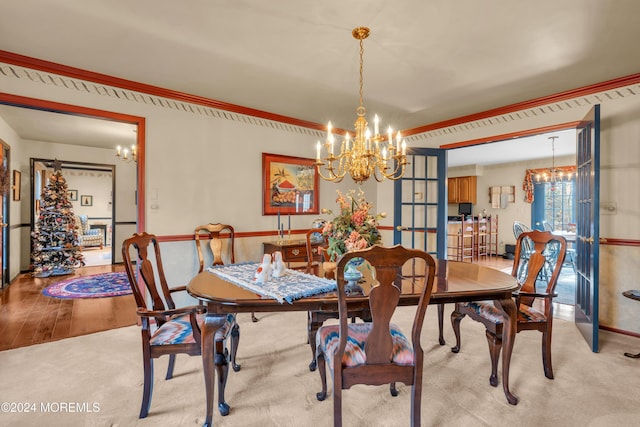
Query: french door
(588, 226)
(420, 204)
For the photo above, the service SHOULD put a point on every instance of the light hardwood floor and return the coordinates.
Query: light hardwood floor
(27, 317)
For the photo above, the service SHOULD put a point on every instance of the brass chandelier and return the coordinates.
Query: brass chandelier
(366, 154)
(554, 174)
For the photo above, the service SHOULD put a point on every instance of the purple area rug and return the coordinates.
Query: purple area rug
(95, 286)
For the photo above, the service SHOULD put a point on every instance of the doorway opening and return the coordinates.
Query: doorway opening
(90, 190)
(504, 163)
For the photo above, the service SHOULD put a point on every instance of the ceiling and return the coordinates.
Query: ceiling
(38, 125)
(424, 62)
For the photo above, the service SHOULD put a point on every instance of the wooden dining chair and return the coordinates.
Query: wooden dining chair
(317, 265)
(533, 300)
(377, 352)
(222, 249)
(167, 330)
(315, 244)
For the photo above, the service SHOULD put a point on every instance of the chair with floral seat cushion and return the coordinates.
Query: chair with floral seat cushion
(535, 308)
(317, 265)
(377, 352)
(167, 330)
(89, 237)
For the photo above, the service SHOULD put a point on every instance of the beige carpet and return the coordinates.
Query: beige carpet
(275, 387)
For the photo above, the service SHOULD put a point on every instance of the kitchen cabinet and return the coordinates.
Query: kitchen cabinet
(462, 189)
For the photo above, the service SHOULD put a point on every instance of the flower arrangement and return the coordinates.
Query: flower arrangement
(354, 228)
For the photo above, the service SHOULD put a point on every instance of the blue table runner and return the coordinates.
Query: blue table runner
(289, 287)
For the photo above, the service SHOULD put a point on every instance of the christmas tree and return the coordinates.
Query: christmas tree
(56, 245)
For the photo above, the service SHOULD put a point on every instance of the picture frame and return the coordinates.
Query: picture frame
(17, 182)
(86, 200)
(290, 185)
(72, 195)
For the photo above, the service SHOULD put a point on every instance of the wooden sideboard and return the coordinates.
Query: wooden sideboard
(292, 250)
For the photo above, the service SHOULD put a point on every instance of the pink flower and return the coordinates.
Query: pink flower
(355, 242)
(342, 201)
(327, 228)
(359, 217)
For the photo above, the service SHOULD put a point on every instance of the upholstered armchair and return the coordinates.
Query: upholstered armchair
(88, 237)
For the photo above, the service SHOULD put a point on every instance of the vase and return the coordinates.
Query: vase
(352, 275)
(351, 272)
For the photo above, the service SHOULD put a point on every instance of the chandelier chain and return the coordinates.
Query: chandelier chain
(361, 110)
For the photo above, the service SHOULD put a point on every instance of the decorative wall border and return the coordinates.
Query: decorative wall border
(13, 65)
(52, 74)
(600, 93)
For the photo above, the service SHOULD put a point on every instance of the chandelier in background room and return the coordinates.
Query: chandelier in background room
(127, 155)
(555, 174)
(366, 154)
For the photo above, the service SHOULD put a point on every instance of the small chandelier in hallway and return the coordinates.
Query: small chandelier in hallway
(554, 175)
(123, 154)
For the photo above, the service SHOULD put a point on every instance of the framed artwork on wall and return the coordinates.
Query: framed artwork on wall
(290, 185)
(86, 200)
(72, 195)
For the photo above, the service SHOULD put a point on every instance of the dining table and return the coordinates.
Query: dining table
(454, 282)
(569, 236)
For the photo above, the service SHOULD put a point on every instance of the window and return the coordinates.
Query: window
(555, 205)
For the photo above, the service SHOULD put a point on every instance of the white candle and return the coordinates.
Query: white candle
(318, 146)
(347, 140)
(384, 154)
(404, 148)
(367, 138)
(390, 137)
(375, 125)
(119, 150)
(398, 139)
(329, 136)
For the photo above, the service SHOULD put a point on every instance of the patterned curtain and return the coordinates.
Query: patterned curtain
(543, 174)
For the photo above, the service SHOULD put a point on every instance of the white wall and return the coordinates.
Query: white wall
(94, 183)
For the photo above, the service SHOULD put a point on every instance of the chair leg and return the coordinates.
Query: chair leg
(456, 317)
(221, 356)
(322, 369)
(313, 324)
(337, 405)
(254, 319)
(546, 354)
(416, 398)
(172, 362)
(441, 324)
(147, 388)
(393, 390)
(495, 344)
(235, 341)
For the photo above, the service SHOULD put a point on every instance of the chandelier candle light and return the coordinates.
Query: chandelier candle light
(123, 154)
(555, 174)
(367, 154)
